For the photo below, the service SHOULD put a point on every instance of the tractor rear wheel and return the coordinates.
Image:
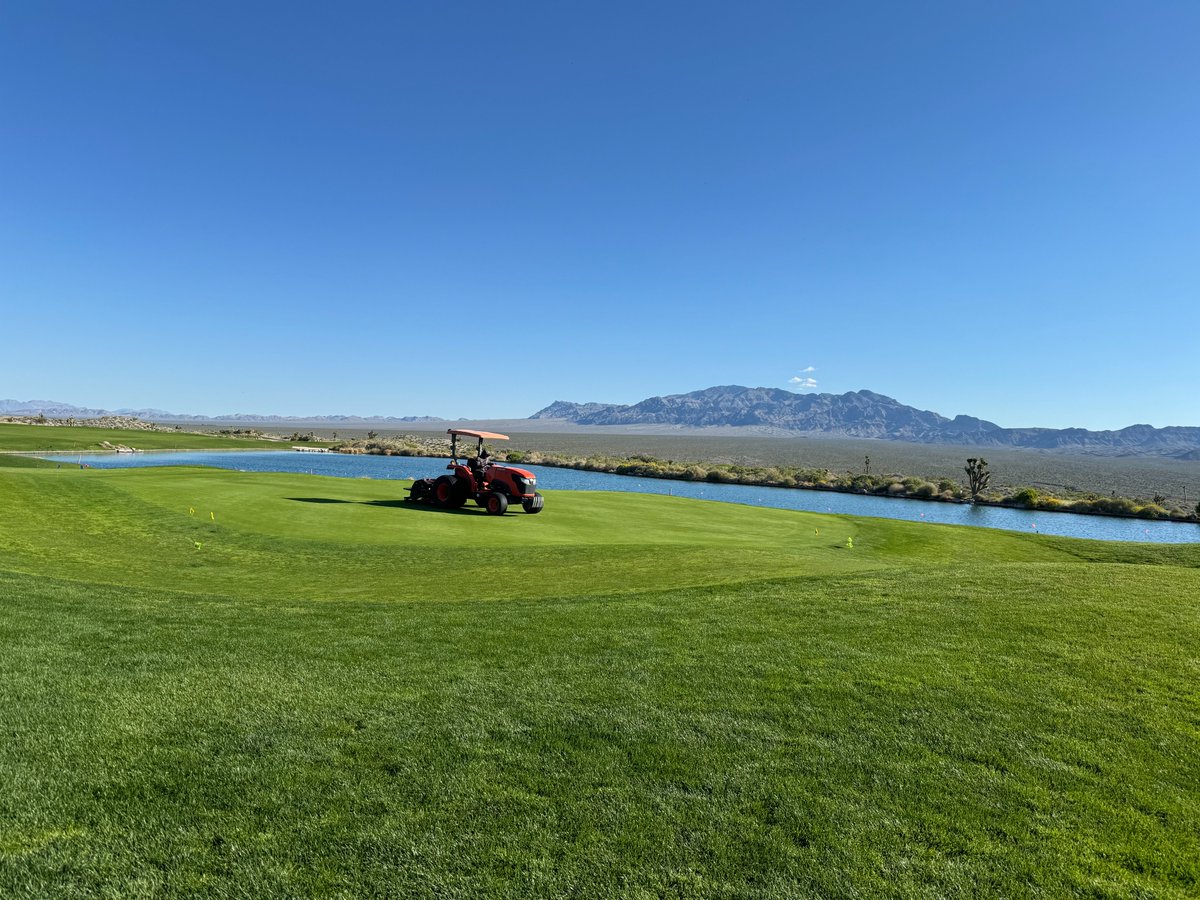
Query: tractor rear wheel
(450, 492)
(497, 504)
(534, 504)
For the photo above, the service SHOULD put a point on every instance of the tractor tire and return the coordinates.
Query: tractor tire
(421, 491)
(534, 504)
(449, 492)
(497, 503)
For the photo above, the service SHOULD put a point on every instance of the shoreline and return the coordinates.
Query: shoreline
(1062, 506)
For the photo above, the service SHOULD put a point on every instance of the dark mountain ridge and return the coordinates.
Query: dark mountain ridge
(865, 414)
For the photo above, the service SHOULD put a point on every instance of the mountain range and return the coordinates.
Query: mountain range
(865, 414)
(734, 408)
(55, 409)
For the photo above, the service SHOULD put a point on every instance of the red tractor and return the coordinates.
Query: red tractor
(491, 485)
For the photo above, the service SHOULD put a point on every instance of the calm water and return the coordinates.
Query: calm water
(550, 479)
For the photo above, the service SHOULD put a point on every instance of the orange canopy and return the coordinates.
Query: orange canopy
(485, 435)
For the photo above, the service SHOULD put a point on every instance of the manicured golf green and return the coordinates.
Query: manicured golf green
(239, 684)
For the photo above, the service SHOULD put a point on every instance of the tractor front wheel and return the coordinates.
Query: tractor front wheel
(497, 504)
(450, 492)
(534, 504)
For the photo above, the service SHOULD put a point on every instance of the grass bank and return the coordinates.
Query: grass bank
(278, 685)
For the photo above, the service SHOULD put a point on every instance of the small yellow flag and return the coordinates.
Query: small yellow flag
(191, 510)
(213, 516)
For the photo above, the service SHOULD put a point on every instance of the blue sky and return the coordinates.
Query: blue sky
(473, 209)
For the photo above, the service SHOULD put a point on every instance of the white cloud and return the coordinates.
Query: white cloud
(803, 382)
(808, 369)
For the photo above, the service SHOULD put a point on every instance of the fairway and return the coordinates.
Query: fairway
(247, 684)
(85, 438)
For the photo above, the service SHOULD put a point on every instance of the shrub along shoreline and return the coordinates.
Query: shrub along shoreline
(902, 487)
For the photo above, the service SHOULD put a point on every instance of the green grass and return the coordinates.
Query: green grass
(1063, 473)
(86, 438)
(318, 690)
(8, 461)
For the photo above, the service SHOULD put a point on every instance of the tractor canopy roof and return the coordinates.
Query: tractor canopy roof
(482, 435)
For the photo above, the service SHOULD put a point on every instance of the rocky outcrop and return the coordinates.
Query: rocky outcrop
(562, 409)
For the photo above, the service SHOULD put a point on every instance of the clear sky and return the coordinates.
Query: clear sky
(473, 209)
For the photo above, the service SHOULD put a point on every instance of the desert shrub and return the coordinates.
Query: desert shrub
(926, 490)
(1119, 506)
(642, 470)
(1152, 511)
(860, 482)
(895, 488)
(812, 476)
(1026, 497)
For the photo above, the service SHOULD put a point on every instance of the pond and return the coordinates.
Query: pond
(550, 479)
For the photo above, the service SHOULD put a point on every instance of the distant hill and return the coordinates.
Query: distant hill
(865, 414)
(54, 409)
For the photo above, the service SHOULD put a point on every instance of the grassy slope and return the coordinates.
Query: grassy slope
(86, 438)
(660, 697)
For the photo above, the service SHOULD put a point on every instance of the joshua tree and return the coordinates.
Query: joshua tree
(867, 465)
(978, 477)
